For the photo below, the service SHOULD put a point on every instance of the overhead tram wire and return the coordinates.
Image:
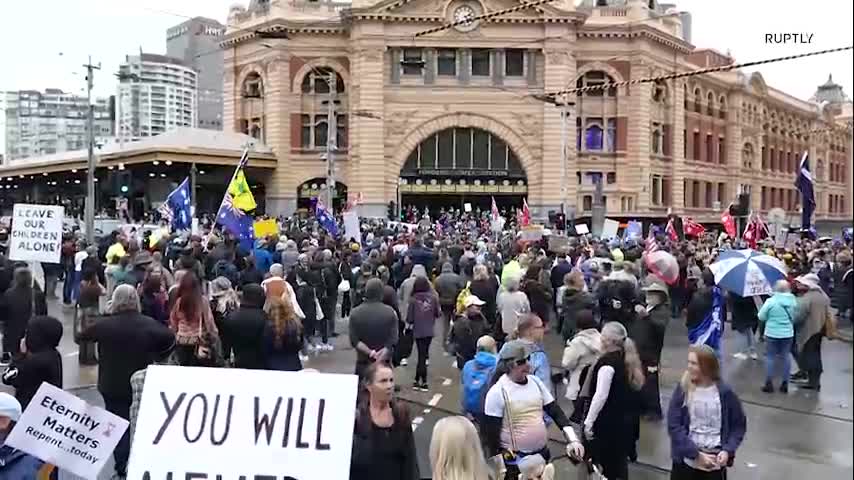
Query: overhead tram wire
(691, 73)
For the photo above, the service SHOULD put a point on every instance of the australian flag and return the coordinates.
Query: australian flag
(806, 185)
(176, 208)
(325, 218)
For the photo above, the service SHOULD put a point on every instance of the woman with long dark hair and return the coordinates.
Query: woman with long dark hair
(383, 444)
(283, 336)
(153, 299)
(196, 335)
(23, 301)
(88, 309)
(705, 420)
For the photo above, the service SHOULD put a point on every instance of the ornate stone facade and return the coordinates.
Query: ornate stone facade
(689, 145)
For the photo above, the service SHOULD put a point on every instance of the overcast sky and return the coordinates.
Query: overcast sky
(44, 43)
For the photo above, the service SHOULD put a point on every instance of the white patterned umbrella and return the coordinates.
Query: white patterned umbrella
(747, 273)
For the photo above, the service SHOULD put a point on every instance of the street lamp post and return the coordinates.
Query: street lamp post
(90, 173)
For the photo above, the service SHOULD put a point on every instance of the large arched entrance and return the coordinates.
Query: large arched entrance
(460, 165)
(311, 190)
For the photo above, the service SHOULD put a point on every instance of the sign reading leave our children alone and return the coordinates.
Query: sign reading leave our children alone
(36, 233)
(231, 423)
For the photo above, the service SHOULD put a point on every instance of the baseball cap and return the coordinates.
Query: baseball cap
(514, 350)
(473, 300)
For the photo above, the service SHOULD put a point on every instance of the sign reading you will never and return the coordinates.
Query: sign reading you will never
(65, 431)
(231, 423)
(36, 233)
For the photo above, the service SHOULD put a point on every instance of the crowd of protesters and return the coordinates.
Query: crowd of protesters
(490, 298)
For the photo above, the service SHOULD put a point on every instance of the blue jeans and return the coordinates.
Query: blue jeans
(746, 341)
(68, 286)
(777, 349)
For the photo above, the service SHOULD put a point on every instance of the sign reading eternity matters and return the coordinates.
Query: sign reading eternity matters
(67, 432)
(36, 233)
(231, 423)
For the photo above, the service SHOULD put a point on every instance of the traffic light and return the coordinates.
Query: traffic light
(560, 221)
(123, 182)
(392, 210)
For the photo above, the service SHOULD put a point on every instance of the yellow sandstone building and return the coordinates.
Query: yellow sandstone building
(454, 116)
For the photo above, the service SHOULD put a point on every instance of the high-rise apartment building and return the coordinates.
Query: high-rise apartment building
(196, 42)
(156, 94)
(53, 121)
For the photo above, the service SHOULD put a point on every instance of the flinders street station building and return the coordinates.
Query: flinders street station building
(459, 115)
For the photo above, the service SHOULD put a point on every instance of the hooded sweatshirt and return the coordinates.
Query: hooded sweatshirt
(779, 313)
(580, 352)
(41, 363)
(406, 288)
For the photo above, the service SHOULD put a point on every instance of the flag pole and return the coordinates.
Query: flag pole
(243, 158)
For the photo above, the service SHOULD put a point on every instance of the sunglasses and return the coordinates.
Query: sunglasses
(522, 361)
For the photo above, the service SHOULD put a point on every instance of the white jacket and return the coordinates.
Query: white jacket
(581, 351)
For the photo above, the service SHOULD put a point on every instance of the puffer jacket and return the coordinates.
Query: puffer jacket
(15, 464)
(779, 313)
(580, 352)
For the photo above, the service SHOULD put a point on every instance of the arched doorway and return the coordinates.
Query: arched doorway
(460, 165)
(310, 190)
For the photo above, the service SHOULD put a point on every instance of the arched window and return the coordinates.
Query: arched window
(593, 136)
(462, 149)
(710, 104)
(722, 107)
(698, 101)
(596, 78)
(253, 86)
(318, 79)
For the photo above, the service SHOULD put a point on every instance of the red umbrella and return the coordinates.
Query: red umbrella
(663, 265)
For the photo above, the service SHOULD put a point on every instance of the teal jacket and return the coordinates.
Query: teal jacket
(779, 312)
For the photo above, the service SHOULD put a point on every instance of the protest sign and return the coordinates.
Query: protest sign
(609, 228)
(532, 233)
(581, 229)
(467, 207)
(633, 231)
(558, 244)
(36, 233)
(351, 226)
(230, 423)
(265, 227)
(67, 432)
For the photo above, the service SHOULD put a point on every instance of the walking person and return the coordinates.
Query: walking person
(778, 314)
(127, 341)
(88, 312)
(283, 337)
(383, 443)
(745, 321)
(575, 299)
(647, 330)
(468, 328)
(705, 420)
(813, 316)
(21, 302)
(422, 314)
(610, 422)
(224, 301)
(448, 286)
(512, 305)
(484, 286)
(580, 354)
(244, 329)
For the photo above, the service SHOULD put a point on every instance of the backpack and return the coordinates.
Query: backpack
(461, 299)
(475, 382)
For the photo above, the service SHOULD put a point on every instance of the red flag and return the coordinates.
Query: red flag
(751, 232)
(693, 228)
(526, 214)
(670, 230)
(729, 222)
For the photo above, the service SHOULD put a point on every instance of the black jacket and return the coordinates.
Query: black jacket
(464, 336)
(373, 323)
(575, 301)
(648, 334)
(41, 363)
(18, 306)
(486, 290)
(744, 313)
(127, 342)
(244, 329)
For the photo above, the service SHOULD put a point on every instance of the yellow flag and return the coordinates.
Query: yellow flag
(241, 194)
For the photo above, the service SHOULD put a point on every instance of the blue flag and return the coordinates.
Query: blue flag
(634, 230)
(806, 185)
(326, 220)
(708, 332)
(237, 222)
(176, 208)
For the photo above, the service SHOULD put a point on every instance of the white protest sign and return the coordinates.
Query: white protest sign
(609, 228)
(467, 207)
(67, 432)
(230, 423)
(532, 233)
(36, 233)
(351, 226)
(581, 229)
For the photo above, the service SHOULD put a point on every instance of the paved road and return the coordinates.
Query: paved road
(794, 436)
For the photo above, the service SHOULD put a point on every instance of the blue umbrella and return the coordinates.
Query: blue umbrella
(747, 273)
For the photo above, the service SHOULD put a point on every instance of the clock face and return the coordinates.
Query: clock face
(464, 18)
